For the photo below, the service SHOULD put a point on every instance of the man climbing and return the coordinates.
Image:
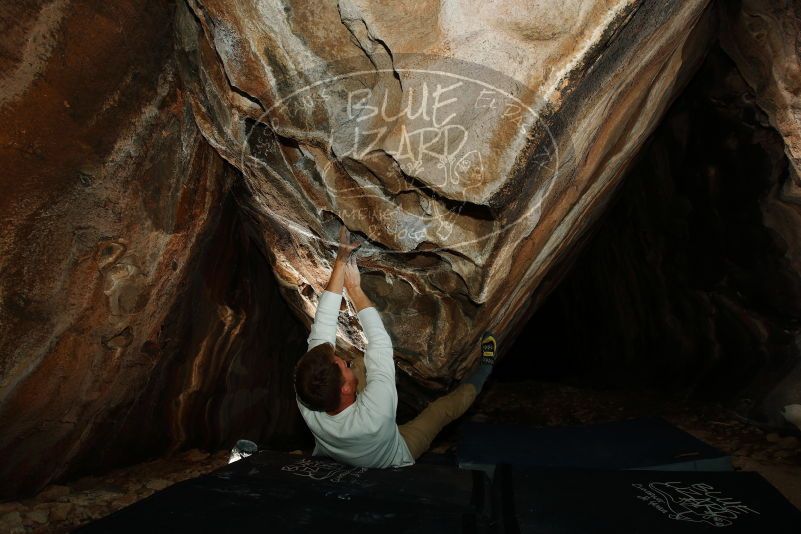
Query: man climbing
(352, 412)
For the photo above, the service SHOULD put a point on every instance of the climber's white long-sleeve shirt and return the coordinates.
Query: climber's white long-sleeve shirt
(365, 433)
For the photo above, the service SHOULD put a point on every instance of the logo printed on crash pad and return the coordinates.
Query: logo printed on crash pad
(322, 470)
(697, 503)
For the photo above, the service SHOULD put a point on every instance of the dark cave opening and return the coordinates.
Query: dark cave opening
(681, 287)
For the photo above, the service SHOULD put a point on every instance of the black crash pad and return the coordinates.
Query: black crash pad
(642, 502)
(647, 443)
(277, 492)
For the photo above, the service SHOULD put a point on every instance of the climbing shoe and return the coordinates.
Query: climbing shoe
(488, 348)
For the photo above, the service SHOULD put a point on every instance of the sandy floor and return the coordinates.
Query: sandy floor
(60, 508)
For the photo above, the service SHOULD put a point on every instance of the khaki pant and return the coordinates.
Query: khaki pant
(421, 431)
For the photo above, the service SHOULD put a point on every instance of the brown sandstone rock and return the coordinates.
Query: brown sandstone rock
(195, 455)
(53, 492)
(137, 314)
(476, 147)
(158, 484)
(107, 188)
(762, 37)
(124, 501)
(60, 511)
(38, 516)
(11, 522)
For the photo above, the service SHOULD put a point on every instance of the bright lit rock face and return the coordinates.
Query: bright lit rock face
(477, 142)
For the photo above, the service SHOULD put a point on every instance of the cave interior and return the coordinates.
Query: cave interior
(681, 300)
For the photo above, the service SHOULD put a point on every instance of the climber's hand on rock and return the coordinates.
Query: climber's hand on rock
(353, 279)
(353, 285)
(346, 247)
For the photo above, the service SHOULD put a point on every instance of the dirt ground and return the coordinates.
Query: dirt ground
(775, 455)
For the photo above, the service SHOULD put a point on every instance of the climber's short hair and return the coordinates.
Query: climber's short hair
(318, 379)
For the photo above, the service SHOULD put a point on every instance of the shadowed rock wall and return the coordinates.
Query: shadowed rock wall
(762, 37)
(221, 363)
(683, 284)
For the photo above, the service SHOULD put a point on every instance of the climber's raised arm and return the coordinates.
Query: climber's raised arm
(337, 278)
(379, 394)
(353, 284)
(324, 328)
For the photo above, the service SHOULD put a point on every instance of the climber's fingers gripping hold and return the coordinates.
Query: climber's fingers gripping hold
(346, 247)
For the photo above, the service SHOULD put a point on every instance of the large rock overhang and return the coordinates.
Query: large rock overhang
(538, 120)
